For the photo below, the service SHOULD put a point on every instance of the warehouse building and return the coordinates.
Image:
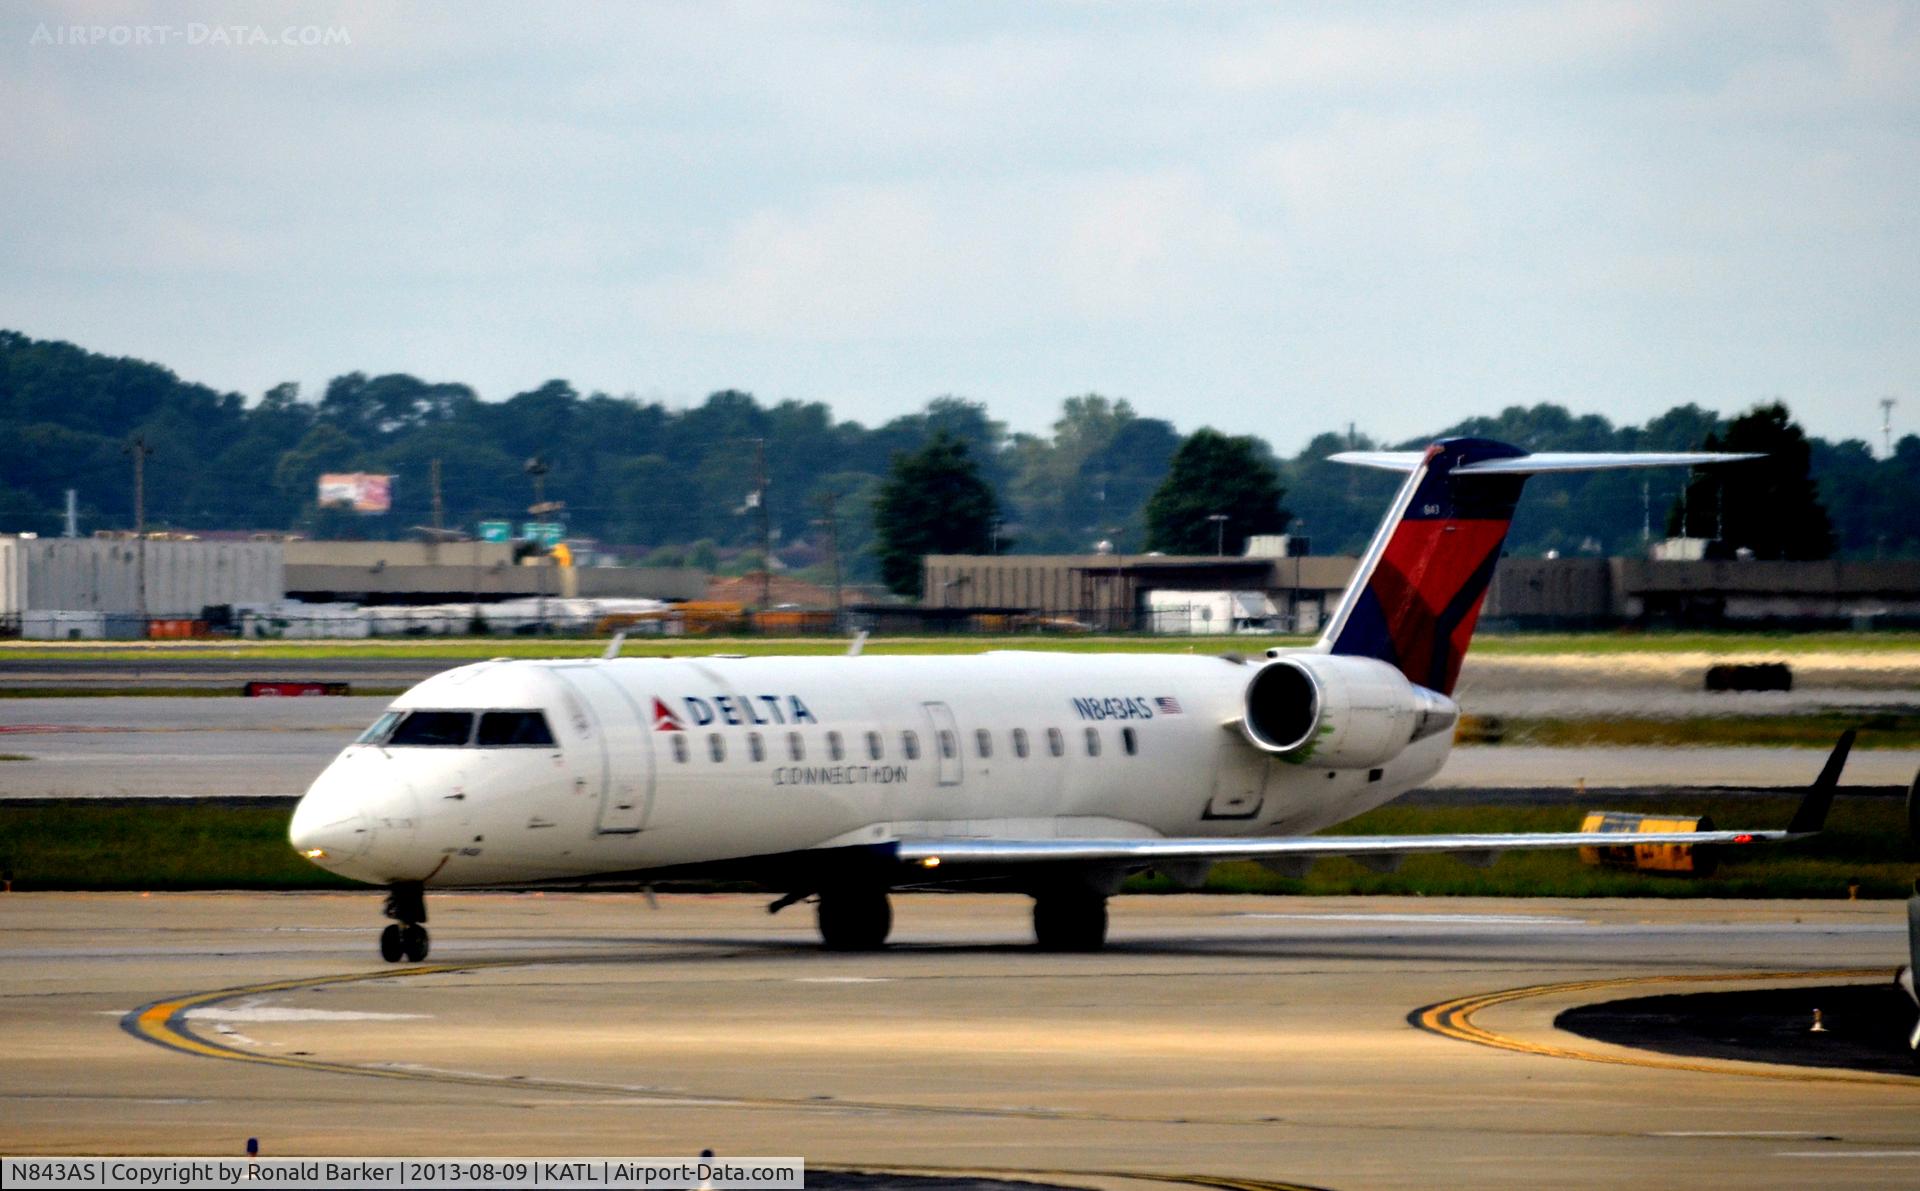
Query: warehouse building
(88, 588)
(1122, 593)
(100, 587)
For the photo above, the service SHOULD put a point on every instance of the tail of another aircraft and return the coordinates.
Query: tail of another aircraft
(1416, 595)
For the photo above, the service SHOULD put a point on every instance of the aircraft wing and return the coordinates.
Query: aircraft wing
(932, 853)
(1808, 819)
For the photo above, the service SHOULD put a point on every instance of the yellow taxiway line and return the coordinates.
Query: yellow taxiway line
(166, 1023)
(1454, 1019)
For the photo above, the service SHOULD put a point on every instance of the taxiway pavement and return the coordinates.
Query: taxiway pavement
(1263, 1039)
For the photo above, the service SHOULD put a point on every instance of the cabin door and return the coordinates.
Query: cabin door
(624, 741)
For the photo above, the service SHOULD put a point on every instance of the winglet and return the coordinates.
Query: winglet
(612, 650)
(1811, 815)
(859, 643)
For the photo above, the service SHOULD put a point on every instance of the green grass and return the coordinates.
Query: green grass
(1676, 641)
(1809, 730)
(107, 845)
(98, 844)
(467, 648)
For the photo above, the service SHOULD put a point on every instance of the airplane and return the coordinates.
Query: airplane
(1057, 775)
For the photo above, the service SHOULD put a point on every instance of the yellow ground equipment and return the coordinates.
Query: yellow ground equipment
(1653, 858)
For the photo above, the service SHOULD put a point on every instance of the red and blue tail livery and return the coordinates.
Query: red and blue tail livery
(1416, 596)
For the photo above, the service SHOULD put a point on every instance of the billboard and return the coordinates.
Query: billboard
(363, 492)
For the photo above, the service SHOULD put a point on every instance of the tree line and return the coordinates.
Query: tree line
(675, 485)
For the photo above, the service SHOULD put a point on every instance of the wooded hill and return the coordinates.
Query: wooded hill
(675, 482)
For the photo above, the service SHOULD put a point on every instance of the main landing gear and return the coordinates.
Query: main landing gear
(1070, 920)
(406, 937)
(854, 917)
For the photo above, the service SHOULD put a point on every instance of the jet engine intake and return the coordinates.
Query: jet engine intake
(1339, 711)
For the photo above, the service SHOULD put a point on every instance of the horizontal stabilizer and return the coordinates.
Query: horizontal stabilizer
(1544, 462)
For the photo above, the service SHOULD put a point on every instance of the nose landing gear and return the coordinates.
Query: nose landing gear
(406, 937)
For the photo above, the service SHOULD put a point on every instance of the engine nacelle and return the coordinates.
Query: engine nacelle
(1339, 712)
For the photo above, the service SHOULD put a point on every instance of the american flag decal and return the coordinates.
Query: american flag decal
(1166, 705)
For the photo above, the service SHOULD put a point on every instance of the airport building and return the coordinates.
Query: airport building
(122, 587)
(1165, 593)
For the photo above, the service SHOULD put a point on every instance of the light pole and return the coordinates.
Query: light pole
(139, 449)
(537, 468)
(1219, 534)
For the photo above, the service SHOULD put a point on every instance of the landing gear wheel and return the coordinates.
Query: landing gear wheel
(413, 942)
(856, 919)
(1070, 921)
(406, 938)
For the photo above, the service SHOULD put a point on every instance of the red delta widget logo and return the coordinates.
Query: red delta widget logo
(735, 710)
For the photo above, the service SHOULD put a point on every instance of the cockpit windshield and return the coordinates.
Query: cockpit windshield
(439, 728)
(455, 729)
(382, 726)
(508, 729)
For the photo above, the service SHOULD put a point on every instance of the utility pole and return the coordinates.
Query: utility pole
(828, 500)
(139, 449)
(758, 499)
(73, 513)
(1646, 511)
(1886, 422)
(439, 511)
(537, 468)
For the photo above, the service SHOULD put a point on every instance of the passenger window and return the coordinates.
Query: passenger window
(755, 748)
(796, 748)
(1129, 741)
(508, 729)
(1056, 743)
(440, 728)
(379, 729)
(873, 746)
(983, 741)
(1093, 742)
(910, 745)
(716, 746)
(1020, 743)
(835, 750)
(680, 748)
(947, 746)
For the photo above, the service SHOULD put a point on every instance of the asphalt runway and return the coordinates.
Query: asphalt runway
(201, 747)
(1358, 1042)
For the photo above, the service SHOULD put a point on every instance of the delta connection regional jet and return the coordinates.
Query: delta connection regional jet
(1057, 775)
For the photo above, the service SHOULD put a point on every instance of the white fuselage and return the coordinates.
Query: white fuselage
(655, 763)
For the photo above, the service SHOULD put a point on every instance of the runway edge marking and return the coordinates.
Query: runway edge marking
(1454, 1019)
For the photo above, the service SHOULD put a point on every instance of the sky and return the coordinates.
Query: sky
(1268, 218)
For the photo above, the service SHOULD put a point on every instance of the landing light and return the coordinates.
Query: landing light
(315, 853)
(930, 862)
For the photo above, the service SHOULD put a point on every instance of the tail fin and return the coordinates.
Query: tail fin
(1416, 596)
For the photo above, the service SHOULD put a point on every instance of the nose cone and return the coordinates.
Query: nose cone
(330, 826)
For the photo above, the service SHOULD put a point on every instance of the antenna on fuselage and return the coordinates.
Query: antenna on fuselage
(612, 650)
(859, 643)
